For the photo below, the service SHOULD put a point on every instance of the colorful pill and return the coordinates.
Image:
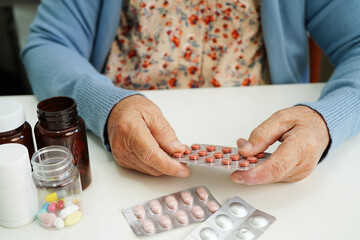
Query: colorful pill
(244, 163)
(226, 150)
(187, 151)
(60, 205)
(197, 212)
(47, 219)
(195, 146)
(187, 198)
(226, 161)
(202, 153)
(68, 211)
(182, 217)
(165, 221)
(210, 148)
(171, 202)
(218, 155)
(52, 197)
(212, 206)
(139, 212)
(260, 155)
(73, 218)
(58, 223)
(155, 206)
(252, 159)
(209, 159)
(52, 207)
(148, 226)
(44, 209)
(235, 157)
(178, 155)
(193, 157)
(202, 193)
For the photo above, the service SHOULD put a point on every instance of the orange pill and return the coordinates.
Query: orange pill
(244, 163)
(178, 155)
(235, 157)
(193, 157)
(187, 151)
(226, 162)
(252, 159)
(218, 155)
(210, 148)
(202, 153)
(226, 150)
(209, 159)
(195, 146)
(260, 155)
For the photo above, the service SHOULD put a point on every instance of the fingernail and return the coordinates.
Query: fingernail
(244, 145)
(177, 144)
(182, 173)
(237, 179)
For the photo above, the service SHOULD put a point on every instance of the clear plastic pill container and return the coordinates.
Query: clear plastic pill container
(59, 187)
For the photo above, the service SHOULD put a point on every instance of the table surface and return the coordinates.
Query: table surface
(323, 206)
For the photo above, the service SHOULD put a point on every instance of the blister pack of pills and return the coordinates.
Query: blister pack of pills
(219, 156)
(235, 220)
(171, 211)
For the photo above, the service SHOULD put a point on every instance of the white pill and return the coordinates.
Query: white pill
(238, 210)
(68, 210)
(224, 221)
(258, 221)
(209, 234)
(155, 206)
(212, 206)
(202, 193)
(182, 217)
(244, 234)
(197, 212)
(171, 202)
(165, 221)
(139, 212)
(58, 223)
(148, 226)
(187, 198)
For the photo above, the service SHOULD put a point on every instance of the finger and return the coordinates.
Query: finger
(265, 134)
(276, 168)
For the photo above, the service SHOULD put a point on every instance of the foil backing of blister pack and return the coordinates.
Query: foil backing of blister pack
(236, 220)
(176, 216)
(233, 165)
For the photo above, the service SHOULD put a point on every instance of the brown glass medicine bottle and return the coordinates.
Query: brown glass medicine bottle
(13, 127)
(60, 124)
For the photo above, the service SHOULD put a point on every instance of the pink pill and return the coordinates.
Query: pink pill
(209, 159)
(212, 206)
(244, 163)
(260, 155)
(210, 148)
(218, 155)
(252, 159)
(177, 155)
(187, 151)
(182, 217)
(226, 150)
(195, 146)
(148, 226)
(193, 157)
(165, 221)
(202, 153)
(235, 157)
(197, 212)
(155, 206)
(47, 219)
(187, 198)
(226, 161)
(139, 212)
(52, 207)
(171, 202)
(202, 193)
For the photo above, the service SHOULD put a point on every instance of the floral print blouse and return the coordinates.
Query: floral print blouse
(163, 44)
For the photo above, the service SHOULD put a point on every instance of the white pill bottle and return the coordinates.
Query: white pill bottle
(18, 197)
(59, 187)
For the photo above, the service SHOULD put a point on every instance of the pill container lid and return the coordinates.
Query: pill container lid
(11, 115)
(14, 164)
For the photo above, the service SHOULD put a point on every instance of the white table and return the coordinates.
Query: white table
(323, 206)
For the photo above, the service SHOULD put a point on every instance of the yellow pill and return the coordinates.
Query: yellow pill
(75, 201)
(52, 197)
(73, 218)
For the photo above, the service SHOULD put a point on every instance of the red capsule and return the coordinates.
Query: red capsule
(60, 205)
(209, 159)
(202, 153)
(252, 159)
(235, 157)
(226, 162)
(226, 150)
(244, 163)
(177, 155)
(218, 155)
(260, 155)
(195, 146)
(193, 157)
(187, 151)
(210, 148)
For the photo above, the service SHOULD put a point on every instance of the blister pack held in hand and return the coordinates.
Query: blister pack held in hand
(171, 211)
(219, 156)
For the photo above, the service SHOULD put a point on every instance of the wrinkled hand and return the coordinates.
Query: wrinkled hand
(304, 137)
(140, 136)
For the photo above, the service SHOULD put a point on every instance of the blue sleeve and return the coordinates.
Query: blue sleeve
(335, 26)
(57, 59)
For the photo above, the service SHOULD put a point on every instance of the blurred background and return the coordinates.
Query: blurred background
(15, 18)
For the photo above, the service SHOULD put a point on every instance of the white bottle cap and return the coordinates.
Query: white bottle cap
(11, 115)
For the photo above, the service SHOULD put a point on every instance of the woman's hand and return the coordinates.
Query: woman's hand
(304, 137)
